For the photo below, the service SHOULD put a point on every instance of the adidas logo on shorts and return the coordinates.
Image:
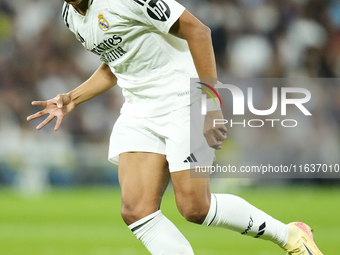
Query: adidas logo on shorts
(191, 158)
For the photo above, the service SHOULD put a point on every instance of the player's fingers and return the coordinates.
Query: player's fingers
(57, 125)
(217, 145)
(223, 129)
(62, 100)
(59, 101)
(45, 122)
(37, 115)
(39, 103)
(213, 141)
(219, 135)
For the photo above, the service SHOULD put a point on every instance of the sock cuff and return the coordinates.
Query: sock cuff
(281, 238)
(138, 224)
(212, 211)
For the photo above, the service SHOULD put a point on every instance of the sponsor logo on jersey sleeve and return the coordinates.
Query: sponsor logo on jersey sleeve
(156, 9)
(103, 23)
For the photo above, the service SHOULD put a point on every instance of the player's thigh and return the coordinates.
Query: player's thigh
(192, 195)
(143, 177)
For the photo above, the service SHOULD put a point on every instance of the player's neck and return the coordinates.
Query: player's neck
(82, 7)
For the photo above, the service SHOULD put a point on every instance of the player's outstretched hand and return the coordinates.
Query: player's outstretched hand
(214, 135)
(58, 107)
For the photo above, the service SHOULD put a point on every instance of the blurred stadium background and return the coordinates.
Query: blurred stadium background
(58, 193)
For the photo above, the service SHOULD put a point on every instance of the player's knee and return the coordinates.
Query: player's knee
(131, 214)
(194, 212)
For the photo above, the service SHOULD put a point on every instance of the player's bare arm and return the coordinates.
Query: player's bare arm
(102, 80)
(199, 40)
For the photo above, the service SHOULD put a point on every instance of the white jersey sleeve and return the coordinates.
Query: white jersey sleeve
(65, 14)
(67, 18)
(161, 14)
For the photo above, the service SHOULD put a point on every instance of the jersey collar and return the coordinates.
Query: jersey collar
(89, 4)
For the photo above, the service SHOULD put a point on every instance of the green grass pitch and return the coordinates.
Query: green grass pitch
(86, 221)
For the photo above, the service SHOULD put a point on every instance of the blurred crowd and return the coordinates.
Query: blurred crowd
(40, 57)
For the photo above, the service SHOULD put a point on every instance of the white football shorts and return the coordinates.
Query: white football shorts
(178, 135)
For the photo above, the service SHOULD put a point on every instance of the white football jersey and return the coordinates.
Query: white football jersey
(131, 36)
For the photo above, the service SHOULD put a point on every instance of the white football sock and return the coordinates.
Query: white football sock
(234, 213)
(160, 236)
